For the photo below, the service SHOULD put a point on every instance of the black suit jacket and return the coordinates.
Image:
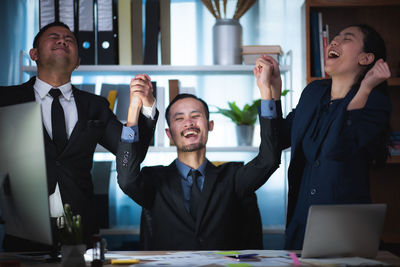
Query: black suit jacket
(71, 168)
(159, 191)
(340, 167)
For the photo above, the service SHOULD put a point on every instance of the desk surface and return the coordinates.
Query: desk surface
(383, 256)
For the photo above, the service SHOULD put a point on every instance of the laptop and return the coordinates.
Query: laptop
(343, 230)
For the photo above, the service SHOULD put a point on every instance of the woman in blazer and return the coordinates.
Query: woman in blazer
(338, 127)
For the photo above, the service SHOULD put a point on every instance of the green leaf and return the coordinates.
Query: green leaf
(285, 92)
(246, 116)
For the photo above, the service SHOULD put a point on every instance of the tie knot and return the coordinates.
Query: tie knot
(55, 92)
(194, 174)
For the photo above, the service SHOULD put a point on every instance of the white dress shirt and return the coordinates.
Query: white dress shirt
(67, 101)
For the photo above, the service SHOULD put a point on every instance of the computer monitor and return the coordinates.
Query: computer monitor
(23, 189)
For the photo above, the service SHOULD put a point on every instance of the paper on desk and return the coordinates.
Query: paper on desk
(181, 259)
(202, 258)
(350, 261)
(89, 256)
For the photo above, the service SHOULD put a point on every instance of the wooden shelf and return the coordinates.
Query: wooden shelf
(394, 81)
(120, 70)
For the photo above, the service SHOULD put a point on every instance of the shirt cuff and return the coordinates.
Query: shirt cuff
(268, 109)
(149, 112)
(130, 134)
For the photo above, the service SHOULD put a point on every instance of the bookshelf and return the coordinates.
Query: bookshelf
(27, 67)
(382, 15)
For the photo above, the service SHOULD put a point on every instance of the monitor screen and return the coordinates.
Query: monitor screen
(23, 190)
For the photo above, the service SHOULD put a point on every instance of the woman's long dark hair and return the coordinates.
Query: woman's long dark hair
(374, 43)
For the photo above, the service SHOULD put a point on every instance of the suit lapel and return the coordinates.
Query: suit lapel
(174, 194)
(305, 114)
(82, 110)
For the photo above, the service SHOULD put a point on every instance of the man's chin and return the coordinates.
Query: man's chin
(191, 148)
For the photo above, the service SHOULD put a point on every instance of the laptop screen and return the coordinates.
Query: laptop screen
(343, 230)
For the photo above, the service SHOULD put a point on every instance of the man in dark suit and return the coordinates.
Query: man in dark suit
(88, 122)
(192, 204)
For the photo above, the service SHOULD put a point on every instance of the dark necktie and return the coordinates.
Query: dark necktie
(195, 194)
(58, 121)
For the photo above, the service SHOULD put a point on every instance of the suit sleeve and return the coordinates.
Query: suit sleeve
(131, 179)
(360, 129)
(255, 173)
(113, 130)
(129, 156)
(285, 127)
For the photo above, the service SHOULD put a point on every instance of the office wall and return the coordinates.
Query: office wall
(18, 22)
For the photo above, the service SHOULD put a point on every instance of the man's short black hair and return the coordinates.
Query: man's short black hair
(182, 96)
(44, 28)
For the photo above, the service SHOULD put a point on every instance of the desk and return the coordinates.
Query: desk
(383, 256)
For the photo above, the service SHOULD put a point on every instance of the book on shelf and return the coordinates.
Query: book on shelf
(112, 96)
(119, 99)
(251, 53)
(165, 31)
(160, 126)
(321, 45)
(173, 89)
(137, 32)
(325, 43)
(154, 84)
(260, 49)
(124, 32)
(314, 45)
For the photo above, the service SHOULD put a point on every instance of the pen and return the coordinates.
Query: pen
(124, 261)
(243, 256)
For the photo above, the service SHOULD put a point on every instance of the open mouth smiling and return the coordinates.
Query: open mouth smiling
(190, 132)
(333, 54)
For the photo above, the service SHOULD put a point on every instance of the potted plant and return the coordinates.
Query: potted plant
(72, 246)
(244, 119)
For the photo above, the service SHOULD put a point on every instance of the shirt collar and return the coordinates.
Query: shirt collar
(184, 170)
(43, 88)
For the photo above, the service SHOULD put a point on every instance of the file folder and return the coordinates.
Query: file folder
(152, 32)
(107, 39)
(122, 99)
(85, 31)
(57, 10)
(66, 13)
(47, 12)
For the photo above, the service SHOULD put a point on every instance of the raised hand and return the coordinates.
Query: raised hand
(268, 77)
(141, 94)
(376, 75)
(141, 87)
